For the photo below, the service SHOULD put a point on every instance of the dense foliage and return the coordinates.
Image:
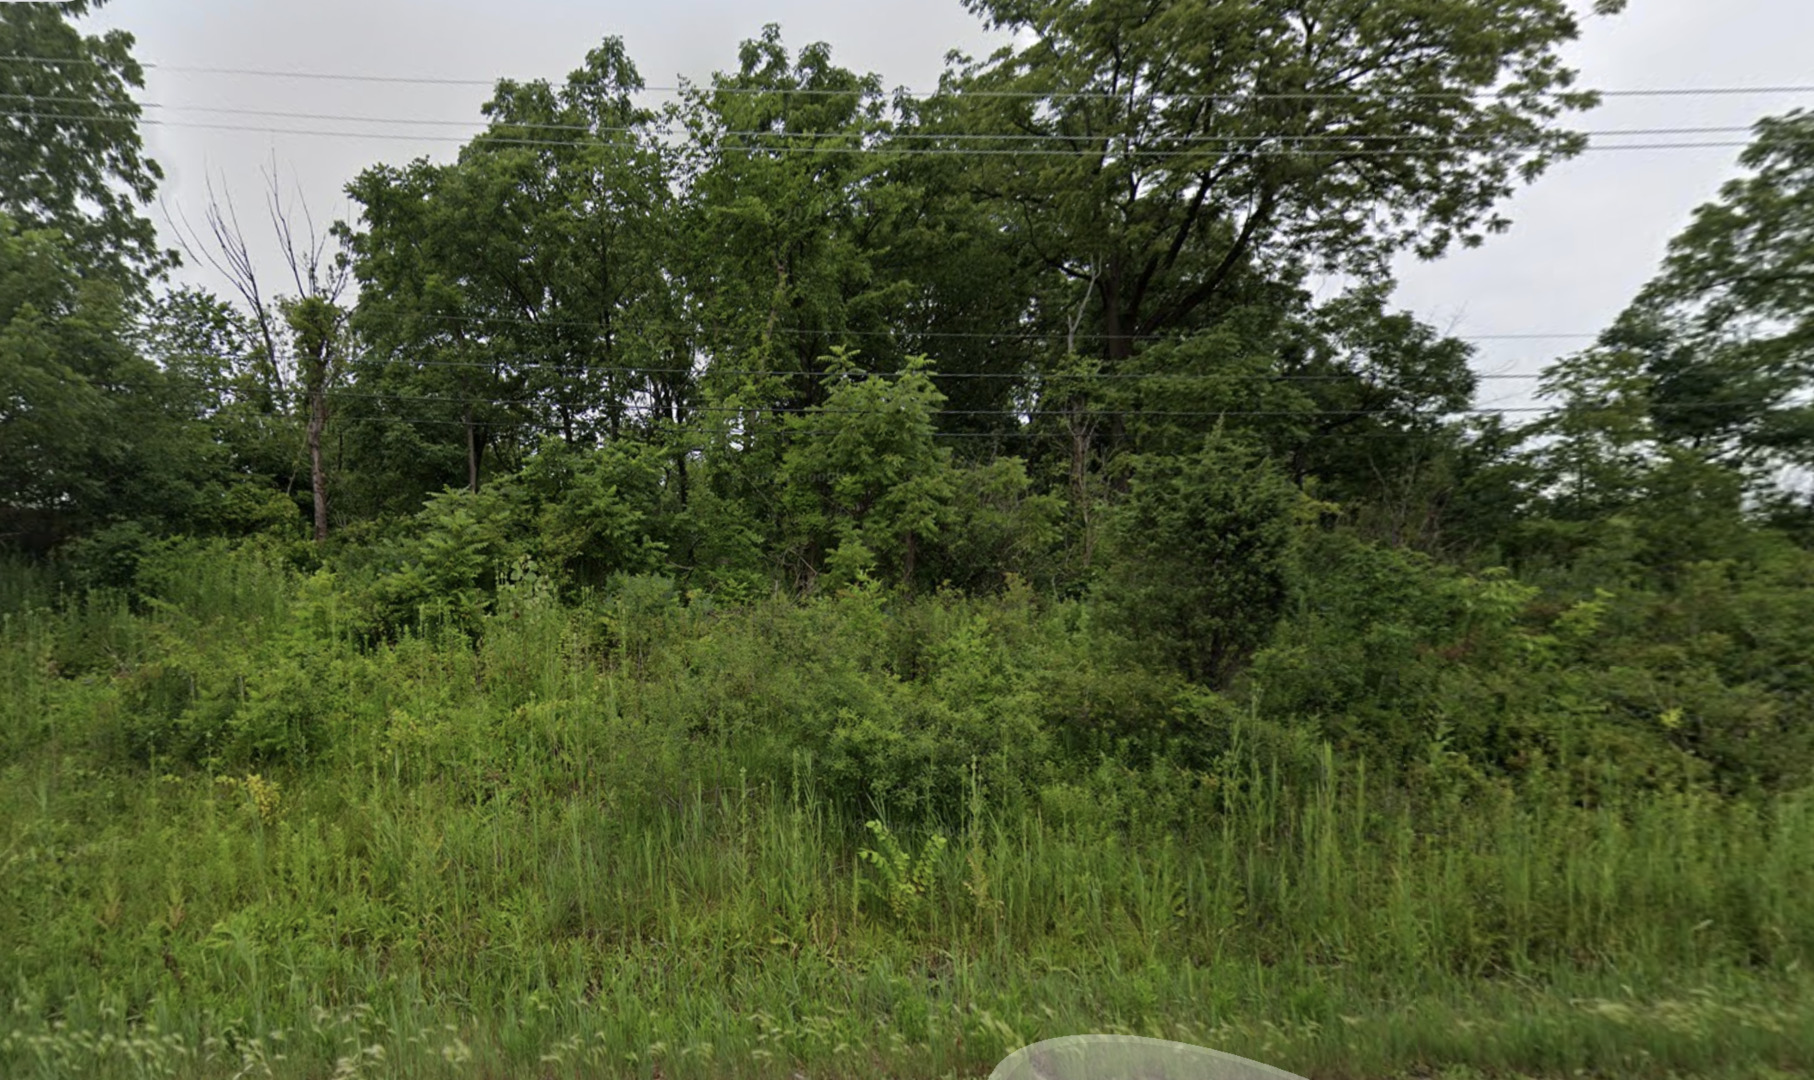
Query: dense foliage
(807, 546)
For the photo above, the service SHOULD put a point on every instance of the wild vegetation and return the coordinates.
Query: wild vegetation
(809, 582)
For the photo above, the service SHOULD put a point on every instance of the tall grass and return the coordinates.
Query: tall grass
(542, 855)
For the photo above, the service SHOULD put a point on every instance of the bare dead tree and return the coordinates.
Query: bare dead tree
(313, 318)
(314, 273)
(226, 250)
(319, 325)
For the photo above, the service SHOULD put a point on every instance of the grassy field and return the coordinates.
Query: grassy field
(236, 842)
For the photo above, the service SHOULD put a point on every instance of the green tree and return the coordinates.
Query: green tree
(946, 284)
(1725, 333)
(1168, 168)
(71, 158)
(431, 396)
(220, 380)
(1382, 437)
(525, 289)
(59, 345)
(90, 431)
(1199, 565)
(1600, 441)
(1151, 153)
(782, 199)
(864, 483)
(1708, 369)
(785, 189)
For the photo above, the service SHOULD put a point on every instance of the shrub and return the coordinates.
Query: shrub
(1199, 557)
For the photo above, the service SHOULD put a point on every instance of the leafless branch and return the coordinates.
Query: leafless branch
(314, 273)
(228, 253)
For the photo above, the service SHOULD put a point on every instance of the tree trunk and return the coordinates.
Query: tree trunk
(1082, 432)
(1118, 342)
(472, 455)
(318, 475)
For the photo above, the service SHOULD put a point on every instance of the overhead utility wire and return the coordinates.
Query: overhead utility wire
(814, 410)
(588, 369)
(1304, 95)
(1018, 433)
(877, 150)
(490, 127)
(900, 336)
(1027, 333)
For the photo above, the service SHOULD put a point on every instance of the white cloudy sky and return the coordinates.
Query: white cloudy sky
(1585, 237)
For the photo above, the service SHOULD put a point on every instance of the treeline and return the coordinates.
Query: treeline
(808, 581)
(1050, 327)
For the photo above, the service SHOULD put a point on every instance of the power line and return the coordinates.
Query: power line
(1019, 433)
(590, 369)
(48, 61)
(493, 126)
(518, 367)
(1025, 335)
(1030, 336)
(1024, 433)
(885, 150)
(861, 91)
(1204, 414)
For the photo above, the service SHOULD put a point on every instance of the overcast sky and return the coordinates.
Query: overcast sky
(1585, 237)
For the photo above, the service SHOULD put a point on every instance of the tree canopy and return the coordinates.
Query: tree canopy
(71, 157)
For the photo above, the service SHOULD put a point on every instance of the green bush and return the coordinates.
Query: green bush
(590, 515)
(445, 574)
(1199, 557)
(109, 557)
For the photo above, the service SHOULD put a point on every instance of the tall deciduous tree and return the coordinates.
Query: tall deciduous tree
(1164, 166)
(1150, 151)
(302, 337)
(1726, 330)
(525, 289)
(783, 181)
(70, 154)
(1713, 360)
(90, 431)
(785, 184)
